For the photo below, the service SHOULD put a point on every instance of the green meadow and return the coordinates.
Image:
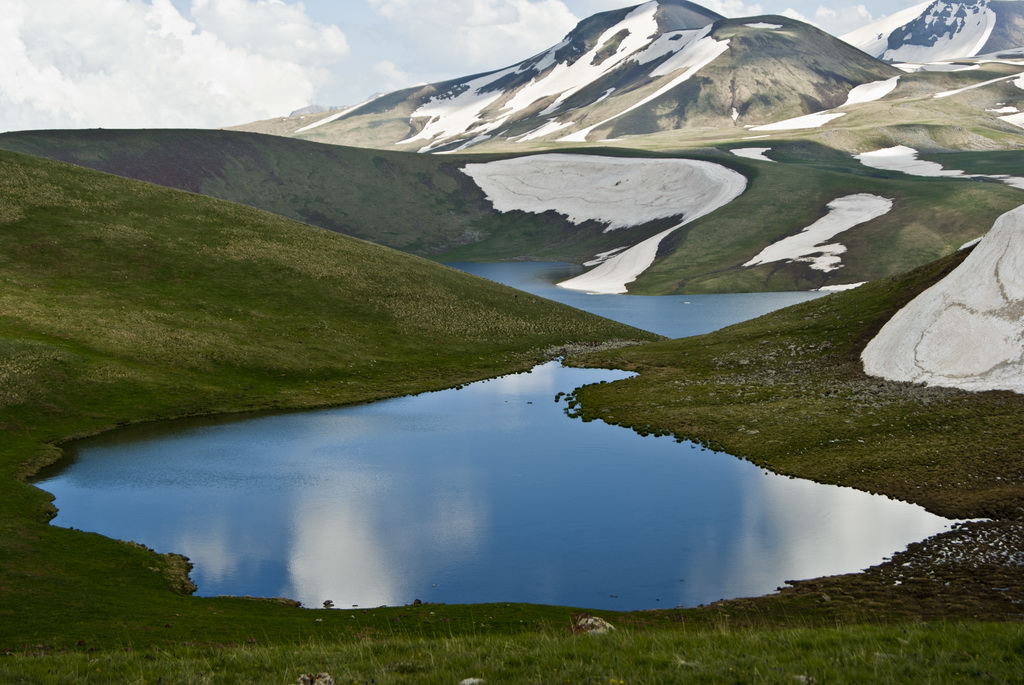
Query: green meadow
(125, 302)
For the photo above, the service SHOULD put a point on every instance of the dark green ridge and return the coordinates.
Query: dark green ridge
(124, 302)
(424, 205)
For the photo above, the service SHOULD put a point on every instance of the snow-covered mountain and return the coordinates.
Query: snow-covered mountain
(662, 65)
(941, 30)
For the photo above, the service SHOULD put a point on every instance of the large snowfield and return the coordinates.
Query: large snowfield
(616, 191)
(967, 330)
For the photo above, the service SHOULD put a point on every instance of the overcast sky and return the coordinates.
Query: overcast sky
(212, 63)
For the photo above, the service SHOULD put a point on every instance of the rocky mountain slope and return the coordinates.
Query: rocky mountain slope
(938, 31)
(662, 65)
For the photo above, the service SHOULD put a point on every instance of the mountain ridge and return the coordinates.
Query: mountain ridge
(939, 31)
(644, 69)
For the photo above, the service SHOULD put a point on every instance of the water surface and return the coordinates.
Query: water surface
(674, 316)
(488, 493)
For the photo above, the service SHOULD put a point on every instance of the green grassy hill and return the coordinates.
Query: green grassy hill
(122, 302)
(425, 205)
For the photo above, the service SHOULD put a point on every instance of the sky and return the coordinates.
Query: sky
(216, 63)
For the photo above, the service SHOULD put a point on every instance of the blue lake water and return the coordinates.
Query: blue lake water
(484, 494)
(675, 316)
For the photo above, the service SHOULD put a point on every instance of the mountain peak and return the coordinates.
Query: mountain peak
(680, 15)
(943, 30)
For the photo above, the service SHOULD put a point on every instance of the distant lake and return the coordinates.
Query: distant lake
(485, 494)
(675, 316)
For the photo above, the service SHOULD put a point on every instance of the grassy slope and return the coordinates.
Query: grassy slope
(930, 218)
(416, 203)
(432, 209)
(787, 391)
(123, 302)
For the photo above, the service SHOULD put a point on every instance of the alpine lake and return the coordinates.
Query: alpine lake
(487, 493)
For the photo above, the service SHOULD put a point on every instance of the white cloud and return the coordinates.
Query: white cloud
(842, 20)
(793, 14)
(459, 37)
(394, 78)
(733, 8)
(138, 63)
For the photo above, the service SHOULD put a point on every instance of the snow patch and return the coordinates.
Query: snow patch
(617, 191)
(869, 92)
(903, 158)
(816, 120)
(840, 288)
(809, 244)
(1015, 119)
(936, 66)
(752, 153)
(966, 331)
(552, 126)
(1019, 82)
(763, 25)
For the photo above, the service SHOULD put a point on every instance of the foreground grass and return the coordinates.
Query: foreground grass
(932, 653)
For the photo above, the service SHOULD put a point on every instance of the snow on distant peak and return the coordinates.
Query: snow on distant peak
(965, 331)
(453, 114)
(930, 32)
(694, 52)
(642, 35)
